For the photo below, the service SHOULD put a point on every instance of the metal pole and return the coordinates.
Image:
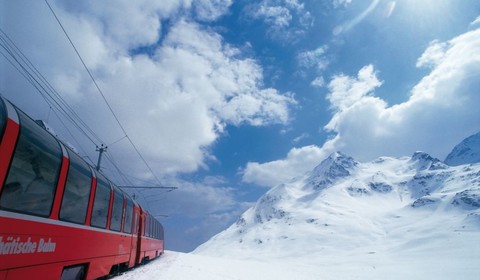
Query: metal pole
(100, 150)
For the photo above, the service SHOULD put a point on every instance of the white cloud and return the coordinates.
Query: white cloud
(286, 19)
(192, 199)
(434, 54)
(188, 91)
(301, 137)
(318, 82)
(475, 21)
(338, 3)
(275, 15)
(314, 58)
(346, 91)
(211, 9)
(126, 24)
(174, 102)
(441, 111)
(437, 115)
(298, 161)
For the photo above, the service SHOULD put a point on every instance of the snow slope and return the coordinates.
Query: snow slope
(392, 218)
(468, 151)
(368, 265)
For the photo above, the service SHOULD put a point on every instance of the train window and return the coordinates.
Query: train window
(127, 228)
(146, 225)
(152, 234)
(33, 174)
(101, 204)
(161, 232)
(117, 211)
(150, 227)
(155, 229)
(77, 191)
(3, 117)
(152, 231)
(135, 228)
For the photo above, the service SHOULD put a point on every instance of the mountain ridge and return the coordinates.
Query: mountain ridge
(467, 151)
(344, 206)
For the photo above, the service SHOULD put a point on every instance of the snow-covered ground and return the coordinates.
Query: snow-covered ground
(392, 218)
(407, 262)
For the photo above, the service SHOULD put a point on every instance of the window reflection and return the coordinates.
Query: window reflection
(32, 177)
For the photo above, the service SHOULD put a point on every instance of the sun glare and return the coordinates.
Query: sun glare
(425, 8)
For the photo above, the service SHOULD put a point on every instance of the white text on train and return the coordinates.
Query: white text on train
(14, 246)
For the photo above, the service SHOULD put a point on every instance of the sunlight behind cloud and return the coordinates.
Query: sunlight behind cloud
(427, 13)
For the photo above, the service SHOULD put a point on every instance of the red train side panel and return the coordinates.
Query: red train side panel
(58, 218)
(30, 242)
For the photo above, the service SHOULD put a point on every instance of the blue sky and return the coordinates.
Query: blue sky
(225, 99)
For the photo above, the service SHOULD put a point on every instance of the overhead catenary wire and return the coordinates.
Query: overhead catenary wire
(74, 138)
(103, 96)
(61, 109)
(56, 103)
(26, 68)
(124, 177)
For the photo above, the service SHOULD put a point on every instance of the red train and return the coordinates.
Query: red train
(59, 218)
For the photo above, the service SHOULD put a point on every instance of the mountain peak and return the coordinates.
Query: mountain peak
(468, 151)
(424, 161)
(337, 165)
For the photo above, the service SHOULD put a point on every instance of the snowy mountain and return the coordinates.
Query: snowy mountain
(401, 209)
(468, 151)
(392, 218)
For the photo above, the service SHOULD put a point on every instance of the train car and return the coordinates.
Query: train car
(60, 218)
(150, 238)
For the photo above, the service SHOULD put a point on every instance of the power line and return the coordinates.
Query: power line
(103, 96)
(26, 68)
(147, 187)
(85, 66)
(124, 177)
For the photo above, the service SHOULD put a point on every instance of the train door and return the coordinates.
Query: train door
(141, 232)
(137, 235)
(131, 228)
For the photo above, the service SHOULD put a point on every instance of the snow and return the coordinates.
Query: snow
(413, 260)
(392, 218)
(468, 151)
